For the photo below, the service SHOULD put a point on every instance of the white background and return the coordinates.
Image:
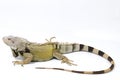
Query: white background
(91, 22)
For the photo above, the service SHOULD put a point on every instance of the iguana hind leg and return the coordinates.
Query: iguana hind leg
(63, 58)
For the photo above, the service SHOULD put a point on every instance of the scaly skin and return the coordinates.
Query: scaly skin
(43, 52)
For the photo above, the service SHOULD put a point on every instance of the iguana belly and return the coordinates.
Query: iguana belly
(41, 52)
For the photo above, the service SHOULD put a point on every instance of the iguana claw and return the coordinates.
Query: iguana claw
(18, 62)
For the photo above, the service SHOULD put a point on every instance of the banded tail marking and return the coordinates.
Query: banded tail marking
(100, 53)
(81, 47)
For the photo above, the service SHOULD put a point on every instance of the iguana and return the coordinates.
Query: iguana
(32, 51)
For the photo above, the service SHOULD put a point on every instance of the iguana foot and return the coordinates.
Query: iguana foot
(18, 62)
(50, 40)
(69, 62)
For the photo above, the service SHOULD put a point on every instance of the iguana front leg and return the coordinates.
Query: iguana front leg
(63, 58)
(28, 58)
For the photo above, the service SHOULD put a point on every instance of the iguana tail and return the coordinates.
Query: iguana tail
(67, 48)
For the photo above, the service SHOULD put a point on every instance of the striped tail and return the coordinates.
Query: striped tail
(63, 48)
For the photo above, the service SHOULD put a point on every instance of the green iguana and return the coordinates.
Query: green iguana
(31, 51)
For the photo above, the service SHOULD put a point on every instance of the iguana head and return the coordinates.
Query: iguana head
(15, 42)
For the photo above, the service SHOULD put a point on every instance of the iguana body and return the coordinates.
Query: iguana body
(46, 51)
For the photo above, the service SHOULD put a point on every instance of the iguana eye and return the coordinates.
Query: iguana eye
(9, 38)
